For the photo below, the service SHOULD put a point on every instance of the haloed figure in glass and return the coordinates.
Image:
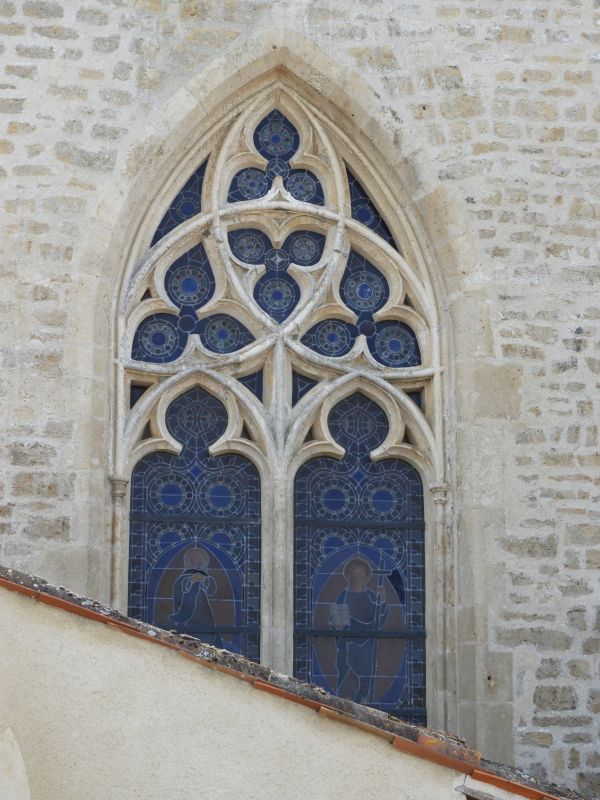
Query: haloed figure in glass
(191, 592)
(358, 608)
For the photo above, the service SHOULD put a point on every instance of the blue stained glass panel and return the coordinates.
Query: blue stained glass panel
(301, 385)
(365, 290)
(359, 610)
(189, 280)
(395, 345)
(275, 137)
(330, 337)
(186, 204)
(194, 562)
(254, 382)
(304, 186)
(364, 211)
(276, 292)
(158, 339)
(249, 245)
(222, 333)
(363, 287)
(248, 184)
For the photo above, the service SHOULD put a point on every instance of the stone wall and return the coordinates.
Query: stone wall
(489, 113)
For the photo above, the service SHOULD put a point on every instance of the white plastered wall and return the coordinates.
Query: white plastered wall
(102, 715)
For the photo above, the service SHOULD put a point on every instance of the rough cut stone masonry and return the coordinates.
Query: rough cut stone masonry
(494, 106)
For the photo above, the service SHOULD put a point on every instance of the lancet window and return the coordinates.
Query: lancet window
(277, 368)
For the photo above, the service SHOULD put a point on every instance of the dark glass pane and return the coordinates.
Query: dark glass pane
(158, 339)
(276, 138)
(363, 288)
(304, 248)
(276, 292)
(248, 184)
(223, 334)
(417, 398)
(330, 337)
(189, 280)
(395, 345)
(136, 390)
(301, 385)
(359, 612)
(194, 563)
(364, 210)
(186, 204)
(254, 382)
(304, 186)
(249, 245)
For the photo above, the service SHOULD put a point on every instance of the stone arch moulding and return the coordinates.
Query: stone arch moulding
(271, 434)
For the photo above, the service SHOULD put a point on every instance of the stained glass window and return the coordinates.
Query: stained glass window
(359, 611)
(269, 306)
(195, 534)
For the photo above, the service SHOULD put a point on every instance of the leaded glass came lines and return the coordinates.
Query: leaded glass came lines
(195, 534)
(186, 204)
(359, 611)
(291, 289)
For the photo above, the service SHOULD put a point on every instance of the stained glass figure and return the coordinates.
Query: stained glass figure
(276, 292)
(194, 563)
(364, 210)
(254, 382)
(277, 140)
(359, 569)
(301, 385)
(365, 290)
(186, 204)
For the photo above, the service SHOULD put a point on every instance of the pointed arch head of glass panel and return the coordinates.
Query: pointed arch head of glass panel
(359, 563)
(194, 560)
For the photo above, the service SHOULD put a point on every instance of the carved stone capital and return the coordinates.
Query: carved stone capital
(118, 487)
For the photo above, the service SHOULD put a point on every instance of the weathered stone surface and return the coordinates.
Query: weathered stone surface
(540, 638)
(486, 117)
(555, 698)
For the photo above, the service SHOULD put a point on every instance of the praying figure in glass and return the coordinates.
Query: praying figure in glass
(191, 591)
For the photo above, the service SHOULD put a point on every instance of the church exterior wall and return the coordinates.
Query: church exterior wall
(487, 114)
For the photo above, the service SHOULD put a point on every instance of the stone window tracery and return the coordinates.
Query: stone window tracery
(277, 358)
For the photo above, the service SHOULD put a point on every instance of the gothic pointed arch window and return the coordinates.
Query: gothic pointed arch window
(279, 413)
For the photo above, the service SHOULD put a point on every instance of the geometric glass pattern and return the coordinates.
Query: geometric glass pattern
(301, 385)
(194, 564)
(186, 204)
(276, 292)
(359, 590)
(276, 140)
(189, 283)
(254, 383)
(364, 210)
(365, 290)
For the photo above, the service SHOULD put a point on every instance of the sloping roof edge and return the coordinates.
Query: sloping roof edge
(434, 746)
